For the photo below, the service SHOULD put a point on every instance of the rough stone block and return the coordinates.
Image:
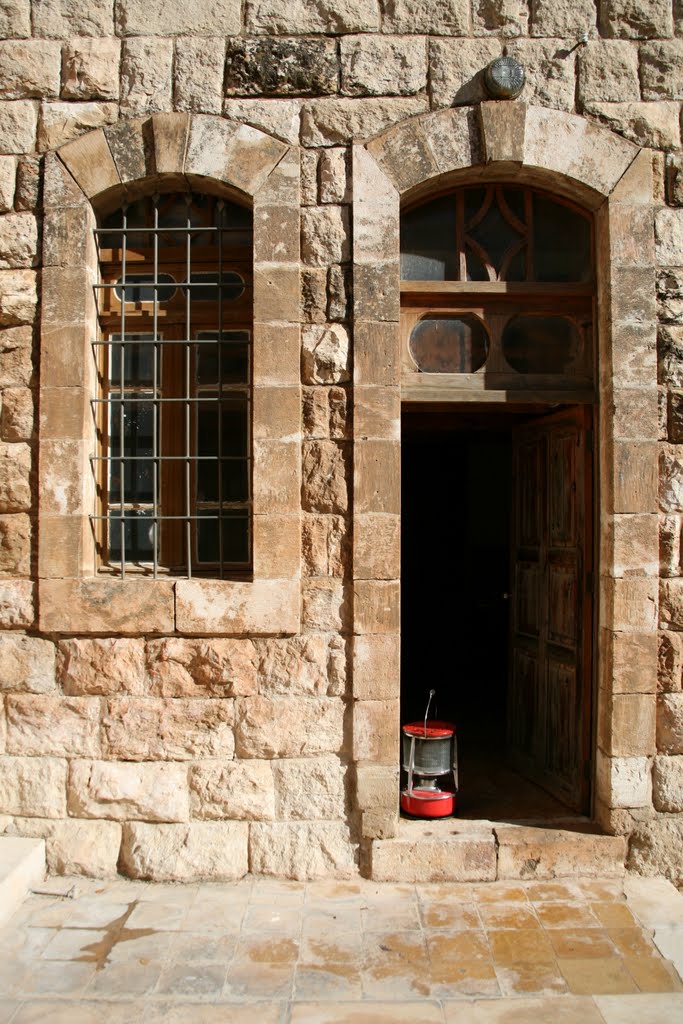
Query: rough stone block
(567, 18)
(146, 74)
(624, 781)
(33, 786)
(200, 851)
(271, 727)
(62, 19)
(332, 16)
(62, 122)
(45, 725)
(27, 664)
(627, 725)
(324, 472)
(15, 466)
(18, 240)
(334, 121)
(653, 124)
(325, 235)
(333, 174)
(311, 788)
(18, 123)
(643, 20)
(668, 237)
(383, 65)
(325, 354)
(528, 853)
(8, 178)
(324, 606)
(201, 668)
(550, 82)
(101, 667)
(377, 786)
(455, 857)
(29, 69)
(17, 414)
(123, 791)
(378, 823)
(15, 545)
(324, 545)
(156, 18)
(667, 784)
(313, 665)
(442, 17)
(77, 847)
(655, 848)
(232, 789)
(237, 609)
(277, 66)
(99, 606)
(90, 69)
(670, 662)
(150, 729)
(15, 19)
(18, 297)
(303, 850)
(16, 604)
(670, 723)
(277, 117)
(457, 69)
(198, 74)
(325, 414)
(16, 367)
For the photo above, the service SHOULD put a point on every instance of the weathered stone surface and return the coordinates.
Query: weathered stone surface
(16, 603)
(550, 18)
(28, 189)
(27, 664)
(324, 606)
(670, 479)
(63, 19)
(550, 82)
(661, 70)
(655, 125)
(333, 16)
(277, 117)
(101, 667)
(97, 605)
(15, 18)
(201, 668)
(154, 728)
(314, 295)
(15, 465)
(53, 726)
(635, 19)
(121, 791)
(457, 69)
(310, 788)
(210, 851)
(377, 786)
(18, 240)
(670, 356)
(608, 72)
(16, 367)
(325, 413)
(8, 180)
(383, 65)
(324, 545)
(61, 122)
(655, 848)
(670, 723)
(667, 784)
(279, 66)
(670, 545)
(670, 665)
(198, 75)
(90, 69)
(333, 173)
(415, 857)
(303, 851)
(674, 180)
(624, 781)
(376, 667)
(17, 414)
(156, 18)
(376, 731)
(29, 68)
(76, 847)
(313, 665)
(33, 786)
(442, 17)
(18, 122)
(237, 609)
(527, 853)
(325, 235)
(333, 121)
(15, 545)
(669, 237)
(324, 472)
(232, 789)
(325, 354)
(146, 72)
(269, 727)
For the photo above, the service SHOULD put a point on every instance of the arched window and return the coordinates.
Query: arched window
(498, 288)
(173, 410)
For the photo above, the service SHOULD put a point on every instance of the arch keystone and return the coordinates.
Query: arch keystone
(503, 126)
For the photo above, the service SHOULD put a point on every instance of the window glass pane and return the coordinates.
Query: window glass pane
(562, 242)
(138, 419)
(234, 541)
(234, 358)
(204, 287)
(494, 232)
(138, 530)
(541, 344)
(234, 426)
(428, 242)
(234, 478)
(138, 360)
(449, 344)
(141, 288)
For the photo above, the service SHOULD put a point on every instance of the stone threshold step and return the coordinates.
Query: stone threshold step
(22, 866)
(466, 851)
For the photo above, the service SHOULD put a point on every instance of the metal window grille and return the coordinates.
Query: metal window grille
(173, 412)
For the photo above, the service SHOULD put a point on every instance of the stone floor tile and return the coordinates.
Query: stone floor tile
(7, 1010)
(500, 892)
(392, 893)
(451, 947)
(12, 977)
(523, 978)
(73, 944)
(192, 980)
(81, 1012)
(422, 1012)
(225, 919)
(507, 915)
(41, 913)
(558, 1009)
(640, 1009)
(24, 943)
(265, 918)
(331, 981)
(654, 901)
(142, 945)
(159, 915)
(528, 945)
(57, 977)
(205, 1013)
(464, 978)
(198, 948)
(566, 915)
(277, 891)
(335, 918)
(248, 979)
(179, 894)
(124, 980)
(613, 914)
(321, 948)
(597, 976)
(600, 888)
(395, 965)
(333, 892)
(652, 974)
(581, 943)
(94, 912)
(385, 919)
(540, 892)
(268, 949)
(452, 892)
(632, 942)
(668, 939)
(451, 916)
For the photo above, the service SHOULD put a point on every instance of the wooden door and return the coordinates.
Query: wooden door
(549, 702)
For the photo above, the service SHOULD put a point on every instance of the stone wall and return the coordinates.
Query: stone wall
(176, 756)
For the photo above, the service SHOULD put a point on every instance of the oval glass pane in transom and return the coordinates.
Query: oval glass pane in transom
(449, 344)
(542, 344)
(428, 243)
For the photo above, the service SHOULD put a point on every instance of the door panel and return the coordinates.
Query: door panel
(549, 728)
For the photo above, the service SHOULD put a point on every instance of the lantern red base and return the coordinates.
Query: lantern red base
(426, 803)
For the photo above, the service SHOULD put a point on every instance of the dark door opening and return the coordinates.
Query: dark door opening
(461, 483)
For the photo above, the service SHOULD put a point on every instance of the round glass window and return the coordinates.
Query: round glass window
(449, 344)
(541, 344)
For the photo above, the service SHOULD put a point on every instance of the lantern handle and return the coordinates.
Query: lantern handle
(431, 694)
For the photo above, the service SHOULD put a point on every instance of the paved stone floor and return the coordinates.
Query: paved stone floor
(344, 953)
